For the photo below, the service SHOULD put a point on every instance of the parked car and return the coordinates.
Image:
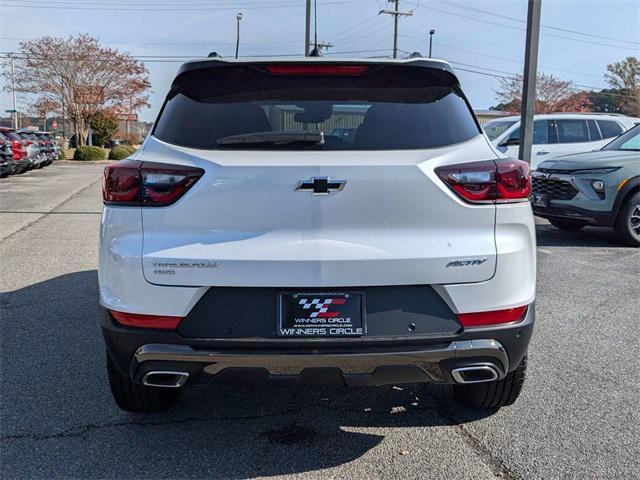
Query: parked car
(244, 244)
(596, 188)
(40, 149)
(558, 134)
(19, 148)
(57, 144)
(7, 165)
(49, 147)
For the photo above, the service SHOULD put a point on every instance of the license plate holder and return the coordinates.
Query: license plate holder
(313, 314)
(540, 200)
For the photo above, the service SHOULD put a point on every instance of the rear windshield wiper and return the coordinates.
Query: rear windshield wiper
(273, 138)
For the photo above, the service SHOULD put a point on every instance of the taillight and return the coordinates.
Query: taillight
(513, 179)
(146, 321)
(490, 181)
(19, 149)
(494, 317)
(146, 184)
(121, 183)
(317, 70)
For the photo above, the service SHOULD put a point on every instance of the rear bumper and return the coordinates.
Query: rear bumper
(21, 165)
(433, 363)
(360, 362)
(6, 168)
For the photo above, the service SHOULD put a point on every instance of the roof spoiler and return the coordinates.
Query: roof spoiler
(417, 62)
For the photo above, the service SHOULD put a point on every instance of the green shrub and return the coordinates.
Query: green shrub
(62, 155)
(120, 152)
(90, 153)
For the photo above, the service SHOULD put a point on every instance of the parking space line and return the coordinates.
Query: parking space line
(44, 214)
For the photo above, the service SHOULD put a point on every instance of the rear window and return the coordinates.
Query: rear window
(387, 107)
(609, 128)
(13, 136)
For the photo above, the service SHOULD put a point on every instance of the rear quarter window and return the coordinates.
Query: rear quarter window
(390, 107)
(609, 128)
(594, 133)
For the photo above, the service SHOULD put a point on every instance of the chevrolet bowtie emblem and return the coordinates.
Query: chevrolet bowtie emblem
(320, 185)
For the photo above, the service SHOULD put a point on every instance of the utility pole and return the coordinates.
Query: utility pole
(396, 13)
(529, 85)
(13, 88)
(238, 18)
(431, 32)
(315, 25)
(307, 30)
(64, 118)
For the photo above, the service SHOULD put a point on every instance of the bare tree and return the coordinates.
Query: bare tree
(80, 74)
(624, 76)
(552, 95)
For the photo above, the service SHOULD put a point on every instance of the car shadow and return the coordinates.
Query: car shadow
(549, 236)
(53, 357)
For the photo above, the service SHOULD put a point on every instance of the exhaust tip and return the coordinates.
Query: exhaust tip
(165, 379)
(475, 374)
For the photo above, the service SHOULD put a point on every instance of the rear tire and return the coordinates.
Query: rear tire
(132, 397)
(496, 394)
(627, 225)
(567, 225)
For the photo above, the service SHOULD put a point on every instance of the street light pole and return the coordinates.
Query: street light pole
(431, 33)
(529, 84)
(238, 18)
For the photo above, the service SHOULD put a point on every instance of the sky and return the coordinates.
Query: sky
(483, 39)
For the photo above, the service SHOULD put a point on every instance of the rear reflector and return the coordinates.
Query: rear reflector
(492, 318)
(317, 70)
(491, 181)
(146, 184)
(146, 321)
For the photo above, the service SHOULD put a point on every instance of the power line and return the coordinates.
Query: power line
(172, 58)
(352, 28)
(363, 34)
(358, 32)
(146, 7)
(204, 42)
(475, 19)
(520, 20)
(511, 60)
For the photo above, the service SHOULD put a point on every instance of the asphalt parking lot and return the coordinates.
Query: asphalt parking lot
(578, 416)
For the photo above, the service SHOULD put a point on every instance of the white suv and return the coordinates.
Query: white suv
(243, 242)
(558, 134)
